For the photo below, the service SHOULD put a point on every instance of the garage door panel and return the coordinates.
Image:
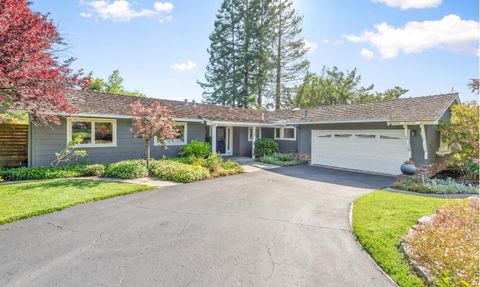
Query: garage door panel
(370, 150)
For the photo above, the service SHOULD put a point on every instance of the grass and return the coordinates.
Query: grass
(380, 219)
(23, 200)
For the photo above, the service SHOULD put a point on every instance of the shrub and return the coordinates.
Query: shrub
(196, 149)
(37, 173)
(127, 169)
(447, 246)
(94, 170)
(265, 146)
(281, 159)
(233, 167)
(176, 171)
(214, 163)
(438, 186)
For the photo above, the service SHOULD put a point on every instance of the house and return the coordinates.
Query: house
(374, 137)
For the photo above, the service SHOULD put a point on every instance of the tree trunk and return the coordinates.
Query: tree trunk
(147, 154)
(279, 68)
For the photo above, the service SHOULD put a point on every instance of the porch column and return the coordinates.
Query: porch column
(254, 134)
(214, 138)
(407, 136)
(424, 141)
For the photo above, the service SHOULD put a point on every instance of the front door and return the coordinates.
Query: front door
(224, 140)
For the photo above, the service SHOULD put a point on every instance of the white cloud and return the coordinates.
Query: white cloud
(163, 7)
(188, 66)
(325, 41)
(451, 33)
(410, 4)
(122, 10)
(85, 15)
(310, 46)
(367, 53)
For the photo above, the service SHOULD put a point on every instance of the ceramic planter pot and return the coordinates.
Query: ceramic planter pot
(408, 169)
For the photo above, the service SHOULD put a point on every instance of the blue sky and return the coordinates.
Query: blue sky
(160, 48)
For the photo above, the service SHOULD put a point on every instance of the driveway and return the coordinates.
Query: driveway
(281, 227)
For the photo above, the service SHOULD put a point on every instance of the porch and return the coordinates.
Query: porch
(237, 140)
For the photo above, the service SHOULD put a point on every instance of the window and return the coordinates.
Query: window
(286, 133)
(181, 138)
(365, 136)
(258, 133)
(92, 132)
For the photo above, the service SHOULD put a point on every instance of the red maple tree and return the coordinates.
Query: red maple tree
(31, 76)
(152, 121)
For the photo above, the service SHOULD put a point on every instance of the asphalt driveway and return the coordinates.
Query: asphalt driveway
(282, 227)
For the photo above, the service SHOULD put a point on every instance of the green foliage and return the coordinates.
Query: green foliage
(69, 154)
(113, 85)
(23, 200)
(265, 146)
(214, 162)
(36, 173)
(94, 170)
(176, 171)
(436, 186)
(461, 135)
(333, 87)
(281, 159)
(380, 219)
(196, 149)
(127, 169)
(255, 52)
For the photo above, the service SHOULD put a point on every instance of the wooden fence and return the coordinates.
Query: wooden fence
(13, 145)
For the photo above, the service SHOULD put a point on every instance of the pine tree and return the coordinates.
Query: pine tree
(289, 50)
(223, 78)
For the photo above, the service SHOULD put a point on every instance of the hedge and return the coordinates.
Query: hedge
(176, 171)
(127, 169)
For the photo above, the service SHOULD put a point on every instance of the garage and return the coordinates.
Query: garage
(381, 151)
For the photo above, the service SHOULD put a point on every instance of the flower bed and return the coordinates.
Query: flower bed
(282, 159)
(445, 248)
(434, 186)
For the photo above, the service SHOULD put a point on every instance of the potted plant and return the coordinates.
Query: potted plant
(408, 167)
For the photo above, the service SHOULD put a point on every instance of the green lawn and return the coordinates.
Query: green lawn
(380, 219)
(22, 200)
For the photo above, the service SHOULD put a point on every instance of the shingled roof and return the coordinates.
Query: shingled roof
(429, 108)
(111, 104)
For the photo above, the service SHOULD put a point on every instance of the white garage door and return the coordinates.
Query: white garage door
(381, 151)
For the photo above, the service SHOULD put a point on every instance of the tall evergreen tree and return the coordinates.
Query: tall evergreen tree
(255, 45)
(290, 60)
(223, 78)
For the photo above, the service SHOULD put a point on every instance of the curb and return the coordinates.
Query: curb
(364, 250)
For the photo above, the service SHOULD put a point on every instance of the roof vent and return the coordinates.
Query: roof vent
(295, 109)
(305, 114)
(194, 103)
(186, 102)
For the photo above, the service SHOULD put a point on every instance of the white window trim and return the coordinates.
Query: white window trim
(282, 134)
(93, 121)
(250, 133)
(173, 143)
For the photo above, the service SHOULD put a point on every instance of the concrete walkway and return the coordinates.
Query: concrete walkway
(277, 227)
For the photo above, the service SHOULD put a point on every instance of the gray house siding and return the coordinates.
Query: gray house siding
(48, 140)
(241, 145)
(305, 131)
